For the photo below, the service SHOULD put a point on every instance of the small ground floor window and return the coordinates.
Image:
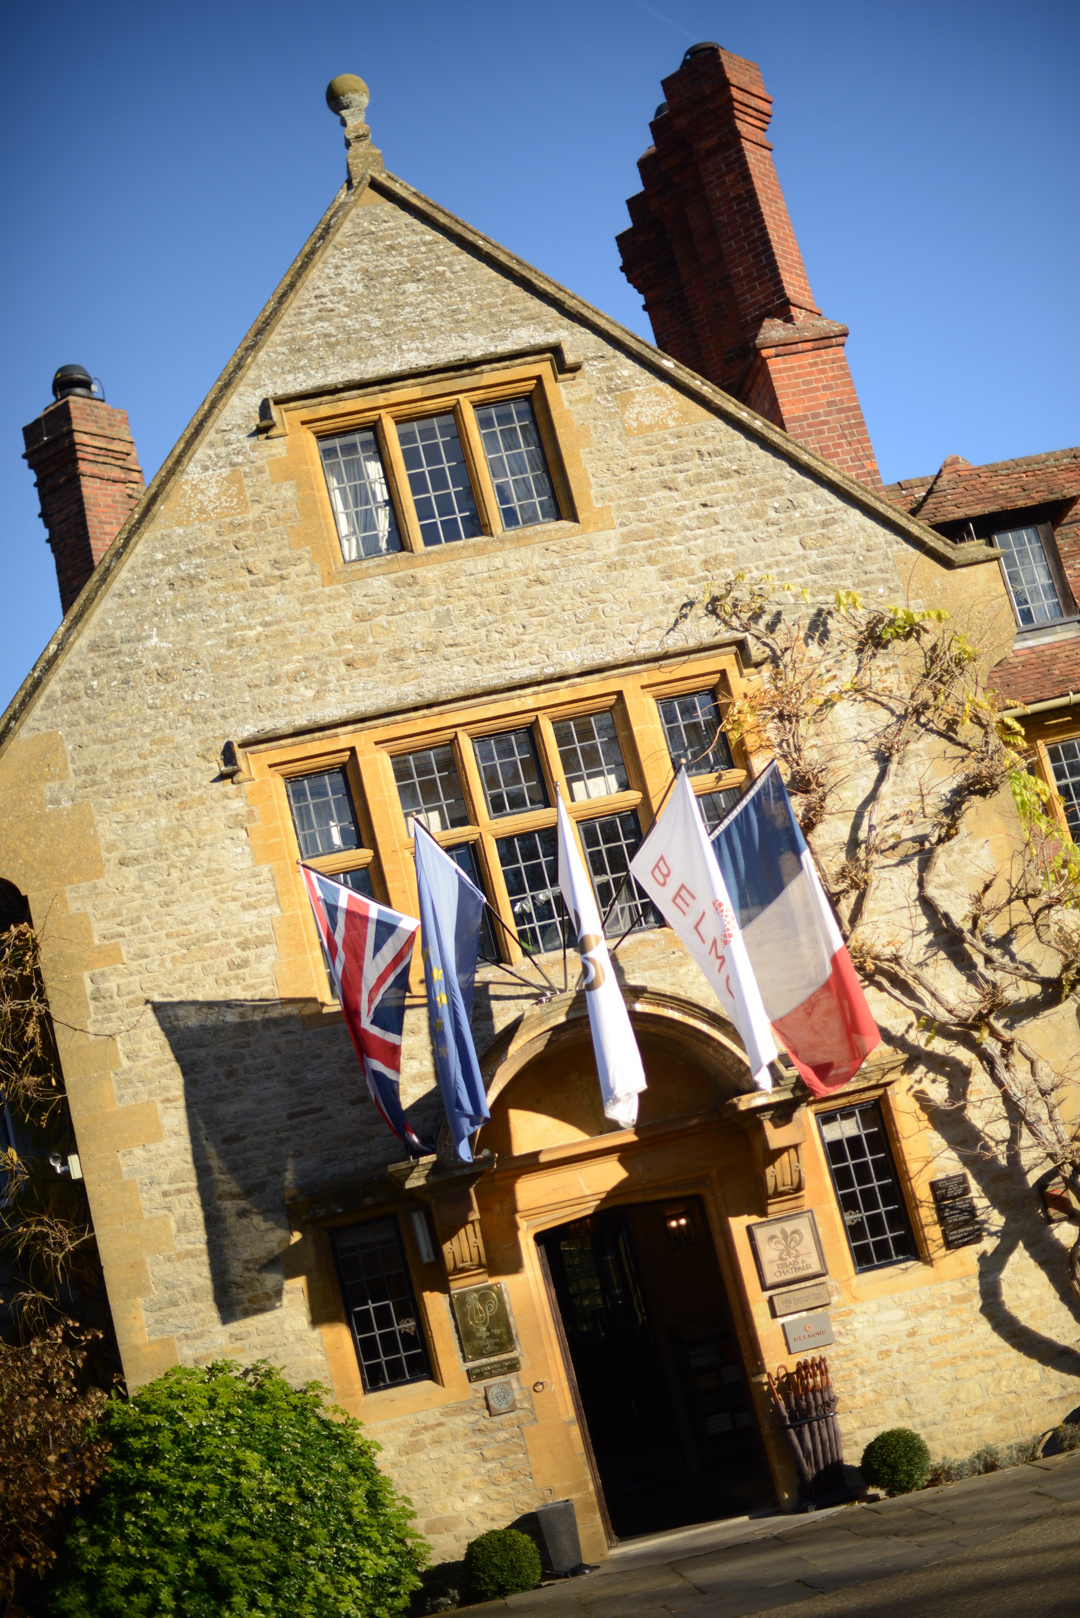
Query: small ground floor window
(867, 1186)
(380, 1304)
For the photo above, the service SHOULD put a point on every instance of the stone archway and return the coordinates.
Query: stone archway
(541, 1074)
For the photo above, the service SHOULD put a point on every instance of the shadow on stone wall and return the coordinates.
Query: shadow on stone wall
(1015, 1219)
(274, 1110)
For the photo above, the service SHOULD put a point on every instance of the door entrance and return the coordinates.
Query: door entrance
(660, 1379)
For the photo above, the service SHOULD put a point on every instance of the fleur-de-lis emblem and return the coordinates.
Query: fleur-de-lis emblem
(786, 1242)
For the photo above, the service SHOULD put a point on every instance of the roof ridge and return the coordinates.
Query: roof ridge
(948, 552)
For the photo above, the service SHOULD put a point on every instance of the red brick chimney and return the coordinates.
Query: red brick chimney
(714, 256)
(88, 478)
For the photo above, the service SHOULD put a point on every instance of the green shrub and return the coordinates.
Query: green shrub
(897, 1461)
(502, 1562)
(228, 1492)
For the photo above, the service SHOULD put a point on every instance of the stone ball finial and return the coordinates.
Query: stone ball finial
(348, 96)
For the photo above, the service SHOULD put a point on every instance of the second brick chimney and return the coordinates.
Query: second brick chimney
(88, 478)
(713, 254)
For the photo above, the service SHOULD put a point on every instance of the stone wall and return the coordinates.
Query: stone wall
(209, 1099)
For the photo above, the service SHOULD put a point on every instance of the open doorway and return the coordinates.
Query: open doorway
(660, 1379)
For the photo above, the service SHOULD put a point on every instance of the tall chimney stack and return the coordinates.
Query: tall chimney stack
(82, 454)
(713, 254)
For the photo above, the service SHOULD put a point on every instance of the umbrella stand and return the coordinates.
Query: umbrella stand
(806, 1405)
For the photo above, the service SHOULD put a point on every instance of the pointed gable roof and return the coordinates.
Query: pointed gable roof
(389, 188)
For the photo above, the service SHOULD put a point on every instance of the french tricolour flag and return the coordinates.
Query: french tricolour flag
(808, 985)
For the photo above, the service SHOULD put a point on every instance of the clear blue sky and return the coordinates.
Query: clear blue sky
(163, 164)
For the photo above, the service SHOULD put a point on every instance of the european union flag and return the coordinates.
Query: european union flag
(451, 909)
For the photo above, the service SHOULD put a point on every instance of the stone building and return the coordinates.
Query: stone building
(333, 605)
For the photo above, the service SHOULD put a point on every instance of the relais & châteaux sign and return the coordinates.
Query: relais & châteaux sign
(787, 1249)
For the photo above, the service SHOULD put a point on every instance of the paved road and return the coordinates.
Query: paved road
(1002, 1546)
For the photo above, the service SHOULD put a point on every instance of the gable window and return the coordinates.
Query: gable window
(439, 480)
(867, 1186)
(692, 725)
(380, 1304)
(515, 459)
(415, 482)
(1030, 575)
(360, 496)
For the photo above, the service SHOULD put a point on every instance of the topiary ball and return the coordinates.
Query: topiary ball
(502, 1562)
(897, 1461)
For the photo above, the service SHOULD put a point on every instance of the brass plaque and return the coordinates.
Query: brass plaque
(483, 1322)
(481, 1373)
(796, 1300)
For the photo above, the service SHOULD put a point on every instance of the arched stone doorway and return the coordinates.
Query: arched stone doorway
(623, 1236)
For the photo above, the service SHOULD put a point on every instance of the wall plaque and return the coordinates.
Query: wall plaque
(809, 1331)
(952, 1185)
(787, 1250)
(501, 1398)
(955, 1208)
(797, 1300)
(480, 1373)
(483, 1322)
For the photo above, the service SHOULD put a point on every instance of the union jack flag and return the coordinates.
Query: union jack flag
(368, 948)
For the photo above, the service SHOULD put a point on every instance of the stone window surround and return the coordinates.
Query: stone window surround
(1043, 731)
(386, 851)
(294, 424)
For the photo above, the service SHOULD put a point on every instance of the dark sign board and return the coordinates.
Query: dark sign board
(963, 1235)
(955, 1208)
(953, 1185)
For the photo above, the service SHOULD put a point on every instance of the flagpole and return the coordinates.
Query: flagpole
(645, 833)
(513, 935)
(684, 760)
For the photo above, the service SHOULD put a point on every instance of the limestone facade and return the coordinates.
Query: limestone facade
(221, 1118)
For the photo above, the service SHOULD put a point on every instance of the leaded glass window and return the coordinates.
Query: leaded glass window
(609, 846)
(428, 787)
(380, 1305)
(438, 479)
(358, 880)
(692, 726)
(867, 1186)
(530, 864)
(715, 805)
(1065, 762)
(516, 461)
(323, 813)
(1030, 576)
(464, 856)
(510, 772)
(363, 509)
(591, 756)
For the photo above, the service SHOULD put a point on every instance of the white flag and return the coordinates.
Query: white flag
(618, 1060)
(678, 870)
